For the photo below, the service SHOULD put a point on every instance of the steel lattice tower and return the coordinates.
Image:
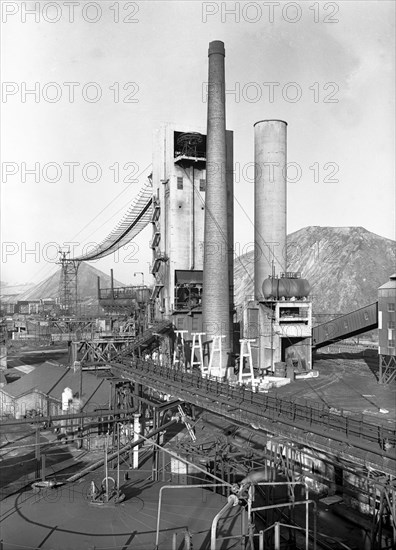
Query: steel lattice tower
(68, 293)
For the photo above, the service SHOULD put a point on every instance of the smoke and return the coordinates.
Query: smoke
(255, 476)
(76, 404)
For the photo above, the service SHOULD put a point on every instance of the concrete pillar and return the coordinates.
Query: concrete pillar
(216, 291)
(270, 157)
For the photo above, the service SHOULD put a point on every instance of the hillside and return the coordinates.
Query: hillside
(14, 290)
(344, 265)
(87, 284)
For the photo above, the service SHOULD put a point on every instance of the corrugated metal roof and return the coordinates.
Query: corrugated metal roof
(390, 284)
(42, 378)
(50, 379)
(94, 390)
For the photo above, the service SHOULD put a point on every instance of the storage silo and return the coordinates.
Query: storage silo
(270, 161)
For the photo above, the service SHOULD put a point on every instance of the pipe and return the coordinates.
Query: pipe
(270, 152)
(106, 468)
(215, 294)
(201, 486)
(231, 502)
(57, 417)
(192, 244)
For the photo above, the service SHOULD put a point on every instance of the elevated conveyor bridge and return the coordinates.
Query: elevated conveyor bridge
(346, 326)
(345, 437)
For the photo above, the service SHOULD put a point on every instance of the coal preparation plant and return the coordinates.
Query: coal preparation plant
(206, 425)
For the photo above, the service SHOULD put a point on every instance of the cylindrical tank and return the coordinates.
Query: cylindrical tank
(270, 159)
(67, 396)
(285, 288)
(215, 295)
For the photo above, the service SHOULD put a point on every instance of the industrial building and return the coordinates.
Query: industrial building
(39, 392)
(182, 355)
(386, 326)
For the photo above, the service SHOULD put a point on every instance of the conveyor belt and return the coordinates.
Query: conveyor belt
(351, 324)
(134, 221)
(146, 339)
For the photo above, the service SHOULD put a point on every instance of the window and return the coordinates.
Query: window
(391, 306)
(202, 185)
(180, 183)
(391, 343)
(391, 324)
(195, 325)
(180, 323)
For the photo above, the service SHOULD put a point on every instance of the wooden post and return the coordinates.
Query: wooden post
(43, 467)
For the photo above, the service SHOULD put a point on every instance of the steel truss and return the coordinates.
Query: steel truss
(383, 506)
(99, 352)
(68, 289)
(103, 351)
(387, 368)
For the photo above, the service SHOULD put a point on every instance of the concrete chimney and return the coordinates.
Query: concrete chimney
(269, 201)
(216, 287)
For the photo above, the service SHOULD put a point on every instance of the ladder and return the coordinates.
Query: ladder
(184, 418)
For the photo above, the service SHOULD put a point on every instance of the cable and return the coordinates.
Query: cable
(55, 268)
(111, 202)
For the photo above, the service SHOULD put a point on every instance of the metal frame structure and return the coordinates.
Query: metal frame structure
(68, 288)
(387, 368)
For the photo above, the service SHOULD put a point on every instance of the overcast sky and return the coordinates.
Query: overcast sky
(135, 65)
